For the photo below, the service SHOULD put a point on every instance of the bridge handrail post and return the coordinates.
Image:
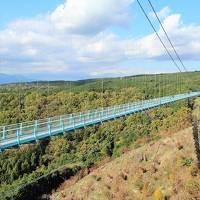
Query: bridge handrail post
(20, 130)
(35, 129)
(62, 124)
(49, 126)
(73, 121)
(80, 117)
(133, 106)
(83, 117)
(124, 109)
(117, 109)
(98, 115)
(107, 109)
(4, 133)
(95, 115)
(129, 107)
(88, 116)
(115, 112)
(18, 135)
(101, 115)
(92, 115)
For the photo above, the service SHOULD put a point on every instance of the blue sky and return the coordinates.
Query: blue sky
(11, 10)
(75, 39)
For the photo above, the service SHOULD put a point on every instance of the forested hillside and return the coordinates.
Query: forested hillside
(84, 148)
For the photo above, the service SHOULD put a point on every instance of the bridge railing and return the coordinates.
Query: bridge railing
(29, 131)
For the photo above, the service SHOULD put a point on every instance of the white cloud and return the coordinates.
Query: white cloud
(104, 47)
(186, 40)
(89, 16)
(172, 22)
(163, 13)
(75, 39)
(67, 35)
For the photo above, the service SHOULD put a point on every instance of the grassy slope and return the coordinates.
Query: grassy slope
(168, 170)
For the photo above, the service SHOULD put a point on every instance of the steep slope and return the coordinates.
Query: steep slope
(165, 169)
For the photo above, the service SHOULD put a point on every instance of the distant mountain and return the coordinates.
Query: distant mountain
(5, 78)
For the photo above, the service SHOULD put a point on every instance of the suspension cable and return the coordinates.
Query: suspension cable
(153, 27)
(166, 34)
(102, 93)
(48, 105)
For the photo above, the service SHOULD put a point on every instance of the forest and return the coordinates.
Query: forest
(73, 151)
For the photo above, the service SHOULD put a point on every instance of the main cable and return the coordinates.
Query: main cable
(144, 12)
(166, 34)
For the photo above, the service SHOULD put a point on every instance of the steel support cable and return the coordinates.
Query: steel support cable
(146, 92)
(177, 82)
(156, 86)
(102, 93)
(19, 110)
(163, 84)
(169, 77)
(180, 82)
(166, 34)
(143, 88)
(37, 96)
(168, 38)
(159, 86)
(153, 27)
(68, 93)
(125, 89)
(21, 101)
(48, 105)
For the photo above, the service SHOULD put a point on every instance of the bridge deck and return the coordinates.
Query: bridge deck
(17, 134)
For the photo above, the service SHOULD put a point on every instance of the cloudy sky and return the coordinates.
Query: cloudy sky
(77, 39)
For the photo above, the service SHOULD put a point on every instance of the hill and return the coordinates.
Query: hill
(171, 83)
(165, 169)
(88, 147)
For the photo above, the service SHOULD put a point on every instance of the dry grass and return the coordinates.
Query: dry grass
(165, 169)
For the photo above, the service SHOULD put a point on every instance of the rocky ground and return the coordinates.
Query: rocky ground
(163, 169)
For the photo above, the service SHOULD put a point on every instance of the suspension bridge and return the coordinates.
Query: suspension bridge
(25, 132)
(17, 134)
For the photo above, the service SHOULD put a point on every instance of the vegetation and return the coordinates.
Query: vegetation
(84, 148)
(158, 170)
